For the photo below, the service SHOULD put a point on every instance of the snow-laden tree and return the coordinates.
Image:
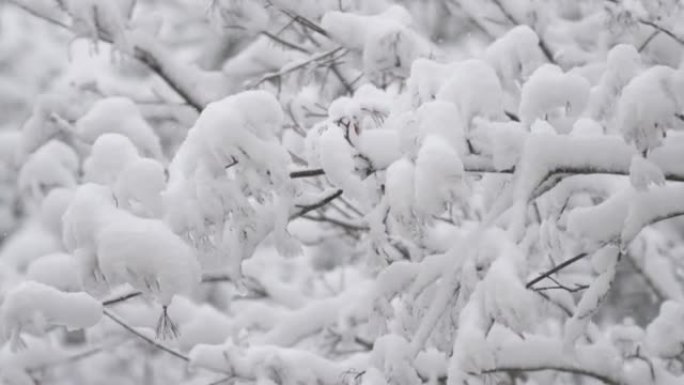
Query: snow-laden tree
(341, 192)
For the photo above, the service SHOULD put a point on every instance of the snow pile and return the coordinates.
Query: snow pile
(52, 209)
(119, 115)
(515, 56)
(82, 220)
(53, 165)
(147, 255)
(427, 77)
(474, 88)
(664, 336)
(439, 176)
(643, 121)
(643, 173)
(109, 155)
(31, 307)
(387, 43)
(549, 94)
(622, 64)
(59, 270)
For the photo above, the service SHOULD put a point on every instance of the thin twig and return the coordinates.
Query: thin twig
(662, 296)
(336, 222)
(145, 338)
(565, 369)
(648, 41)
(307, 173)
(285, 43)
(308, 208)
(121, 298)
(292, 68)
(556, 269)
(662, 29)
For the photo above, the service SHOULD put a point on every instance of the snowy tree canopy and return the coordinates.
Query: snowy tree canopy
(354, 192)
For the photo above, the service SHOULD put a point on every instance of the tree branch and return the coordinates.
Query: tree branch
(306, 209)
(307, 173)
(565, 369)
(556, 269)
(147, 56)
(145, 338)
(542, 44)
(543, 353)
(662, 29)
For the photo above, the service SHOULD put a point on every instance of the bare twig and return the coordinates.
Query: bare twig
(284, 42)
(659, 293)
(556, 269)
(308, 208)
(662, 29)
(292, 68)
(565, 369)
(146, 56)
(336, 222)
(121, 298)
(145, 338)
(648, 41)
(307, 173)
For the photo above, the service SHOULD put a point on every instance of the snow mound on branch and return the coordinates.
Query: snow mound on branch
(119, 115)
(643, 173)
(53, 165)
(85, 216)
(337, 160)
(400, 190)
(439, 118)
(380, 147)
(32, 307)
(242, 128)
(427, 77)
(27, 244)
(392, 356)
(555, 96)
(475, 89)
(388, 45)
(139, 187)
(515, 55)
(83, 219)
(59, 270)
(665, 336)
(109, 155)
(622, 64)
(439, 176)
(52, 209)
(146, 254)
(585, 127)
(16, 366)
(644, 120)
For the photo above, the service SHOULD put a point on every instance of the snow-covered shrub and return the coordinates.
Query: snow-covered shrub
(342, 192)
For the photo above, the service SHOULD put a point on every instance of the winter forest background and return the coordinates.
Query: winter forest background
(341, 192)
